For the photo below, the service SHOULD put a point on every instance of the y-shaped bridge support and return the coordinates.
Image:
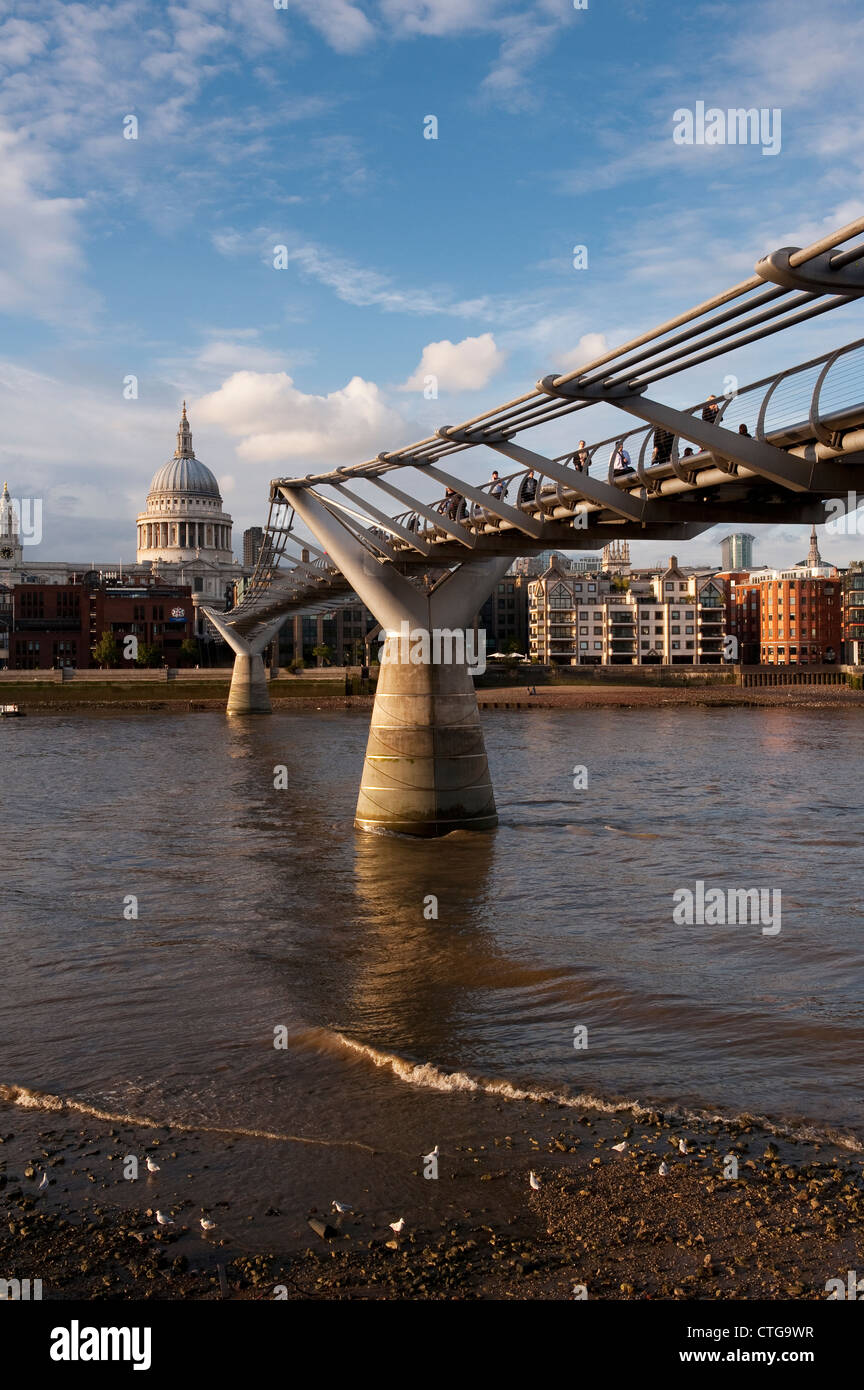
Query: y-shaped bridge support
(248, 693)
(425, 771)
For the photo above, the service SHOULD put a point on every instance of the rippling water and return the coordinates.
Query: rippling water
(261, 908)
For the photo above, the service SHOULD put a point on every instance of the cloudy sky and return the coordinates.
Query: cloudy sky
(302, 127)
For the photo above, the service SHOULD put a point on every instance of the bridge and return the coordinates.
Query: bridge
(422, 545)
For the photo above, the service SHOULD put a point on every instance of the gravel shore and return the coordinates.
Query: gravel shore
(603, 1221)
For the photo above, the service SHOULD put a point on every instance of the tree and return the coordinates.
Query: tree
(106, 651)
(148, 654)
(189, 649)
(323, 653)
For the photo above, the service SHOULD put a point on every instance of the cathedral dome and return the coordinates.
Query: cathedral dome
(184, 473)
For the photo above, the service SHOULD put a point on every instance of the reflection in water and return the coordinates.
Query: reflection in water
(261, 906)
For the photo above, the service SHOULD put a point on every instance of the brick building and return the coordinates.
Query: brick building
(57, 625)
(787, 617)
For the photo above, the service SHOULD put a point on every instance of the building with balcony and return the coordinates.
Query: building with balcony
(670, 619)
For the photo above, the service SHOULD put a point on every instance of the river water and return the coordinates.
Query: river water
(263, 916)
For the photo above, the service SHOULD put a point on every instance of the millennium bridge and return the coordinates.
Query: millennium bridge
(422, 546)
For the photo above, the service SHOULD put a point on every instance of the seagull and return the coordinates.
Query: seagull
(151, 1166)
(682, 1146)
(163, 1220)
(398, 1225)
(207, 1224)
(433, 1154)
(44, 1182)
(663, 1169)
(619, 1148)
(342, 1207)
(534, 1181)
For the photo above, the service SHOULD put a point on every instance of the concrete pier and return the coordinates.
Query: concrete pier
(425, 771)
(248, 693)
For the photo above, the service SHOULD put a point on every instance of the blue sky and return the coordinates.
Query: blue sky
(303, 127)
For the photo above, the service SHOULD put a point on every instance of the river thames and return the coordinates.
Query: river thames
(263, 916)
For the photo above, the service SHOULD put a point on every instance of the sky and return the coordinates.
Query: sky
(304, 127)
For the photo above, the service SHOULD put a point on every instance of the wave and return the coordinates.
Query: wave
(28, 1099)
(432, 1077)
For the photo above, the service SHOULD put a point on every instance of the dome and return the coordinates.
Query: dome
(186, 475)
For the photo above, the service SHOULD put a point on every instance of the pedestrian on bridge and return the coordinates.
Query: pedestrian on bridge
(711, 410)
(528, 488)
(621, 459)
(582, 458)
(496, 485)
(663, 441)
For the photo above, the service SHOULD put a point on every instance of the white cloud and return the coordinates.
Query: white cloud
(40, 255)
(274, 420)
(590, 345)
(465, 366)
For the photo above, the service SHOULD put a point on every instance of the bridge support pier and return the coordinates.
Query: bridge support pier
(248, 693)
(425, 771)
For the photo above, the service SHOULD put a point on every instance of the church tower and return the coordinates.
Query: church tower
(11, 554)
(813, 556)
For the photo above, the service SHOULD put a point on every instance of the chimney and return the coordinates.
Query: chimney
(673, 562)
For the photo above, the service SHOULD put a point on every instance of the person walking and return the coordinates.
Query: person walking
(621, 459)
(711, 410)
(528, 488)
(663, 441)
(582, 458)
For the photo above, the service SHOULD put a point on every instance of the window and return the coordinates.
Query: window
(583, 646)
(583, 632)
(689, 646)
(676, 613)
(688, 631)
(676, 646)
(676, 630)
(592, 588)
(598, 646)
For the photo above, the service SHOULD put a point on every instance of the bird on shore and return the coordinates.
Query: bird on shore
(151, 1166)
(44, 1182)
(682, 1146)
(342, 1207)
(207, 1224)
(163, 1219)
(663, 1169)
(534, 1181)
(398, 1226)
(619, 1148)
(433, 1153)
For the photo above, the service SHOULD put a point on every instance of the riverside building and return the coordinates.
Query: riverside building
(673, 619)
